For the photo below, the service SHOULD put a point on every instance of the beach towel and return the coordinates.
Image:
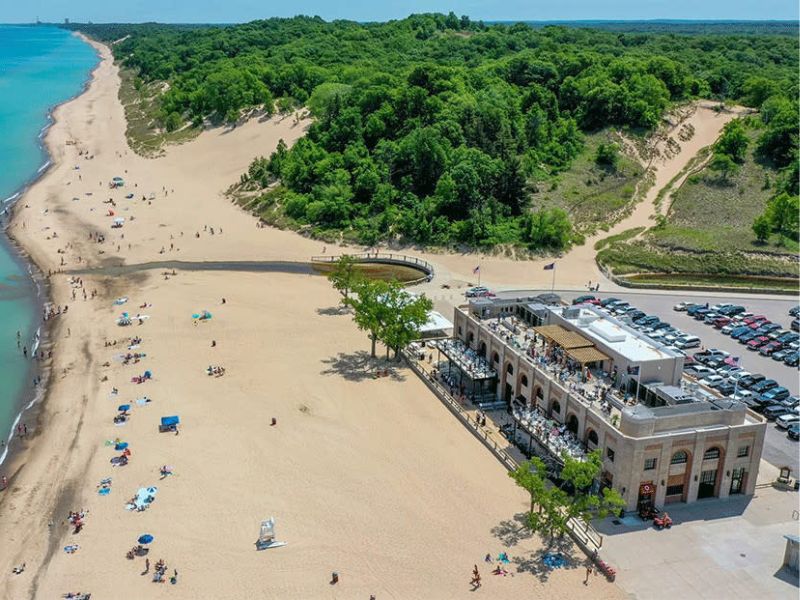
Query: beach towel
(104, 491)
(142, 401)
(71, 549)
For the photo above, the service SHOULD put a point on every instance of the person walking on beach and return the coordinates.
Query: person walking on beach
(476, 578)
(146, 565)
(588, 574)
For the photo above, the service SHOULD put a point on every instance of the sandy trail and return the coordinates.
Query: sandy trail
(373, 478)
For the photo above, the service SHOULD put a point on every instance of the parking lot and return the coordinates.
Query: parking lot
(779, 450)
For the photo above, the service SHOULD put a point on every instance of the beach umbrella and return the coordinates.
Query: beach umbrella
(145, 538)
(123, 407)
(121, 446)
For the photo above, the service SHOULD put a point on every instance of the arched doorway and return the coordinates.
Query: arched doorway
(482, 350)
(572, 423)
(555, 408)
(591, 439)
(680, 469)
(470, 338)
(709, 475)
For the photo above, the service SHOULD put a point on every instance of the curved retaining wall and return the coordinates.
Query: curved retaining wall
(385, 258)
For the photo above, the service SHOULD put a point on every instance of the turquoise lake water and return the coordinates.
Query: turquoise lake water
(40, 67)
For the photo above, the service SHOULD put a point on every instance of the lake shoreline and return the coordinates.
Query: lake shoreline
(31, 401)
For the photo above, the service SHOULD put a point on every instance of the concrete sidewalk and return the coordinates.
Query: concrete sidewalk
(716, 549)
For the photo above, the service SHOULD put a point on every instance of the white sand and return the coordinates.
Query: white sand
(372, 478)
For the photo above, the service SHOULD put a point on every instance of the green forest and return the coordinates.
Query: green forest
(438, 130)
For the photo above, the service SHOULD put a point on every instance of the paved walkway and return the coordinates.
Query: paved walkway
(716, 549)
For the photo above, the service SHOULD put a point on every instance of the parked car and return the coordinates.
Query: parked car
(699, 371)
(476, 292)
(726, 388)
(795, 325)
(794, 431)
(774, 411)
(788, 419)
(605, 302)
(762, 386)
(709, 318)
(728, 329)
(754, 318)
(757, 342)
(721, 322)
(769, 327)
(788, 337)
(793, 359)
(743, 339)
(739, 331)
(781, 354)
(744, 395)
(737, 376)
(794, 311)
(759, 324)
(692, 310)
(584, 299)
(713, 381)
(618, 307)
(770, 347)
(750, 380)
(701, 314)
(731, 310)
(775, 394)
(683, 306)
(690, 341)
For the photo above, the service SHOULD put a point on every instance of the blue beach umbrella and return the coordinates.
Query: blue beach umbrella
(123, 407)
(121, 446)
(145, 539)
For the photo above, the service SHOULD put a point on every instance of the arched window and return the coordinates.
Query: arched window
(524, 380)
(482, 349)
(539, 393)
(495, 357)
(592, 437)
(681, 457)
(470, 339)
(509, 369)
(711, 453)
(556, 407)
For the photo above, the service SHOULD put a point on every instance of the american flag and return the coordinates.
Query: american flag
(550, 267)
(476, 270)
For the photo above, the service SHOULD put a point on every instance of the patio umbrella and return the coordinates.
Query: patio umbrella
(123, 407)
(121, 446)
(145, 539)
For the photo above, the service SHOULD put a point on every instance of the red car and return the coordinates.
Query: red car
(756, 324)
(757, 342)
(768, 349)
(720, 322)
(754, 318)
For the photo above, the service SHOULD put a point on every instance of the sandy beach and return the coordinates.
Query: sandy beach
(371, 478)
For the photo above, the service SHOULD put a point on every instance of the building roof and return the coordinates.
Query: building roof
(613, 335)
(436, 322)
(563, 337)
(586, 355)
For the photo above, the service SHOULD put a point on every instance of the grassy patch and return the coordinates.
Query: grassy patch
(715, 281)
(714, 214)
(141, 104)
(592, 195)
(639, 256)
(383, 272)
(620, 237)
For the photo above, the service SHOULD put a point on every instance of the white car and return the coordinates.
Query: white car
(743, 395)
(699, 371)
(682, 306)
(737, 375)
(713, 381)
(786, 420)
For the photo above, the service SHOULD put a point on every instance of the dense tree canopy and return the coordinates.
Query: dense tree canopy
(432, 128)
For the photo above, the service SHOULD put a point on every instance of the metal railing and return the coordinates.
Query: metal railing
(581, 532)
(384, 258)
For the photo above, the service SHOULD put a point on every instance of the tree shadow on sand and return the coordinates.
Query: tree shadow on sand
(515, 530)
(359, 366)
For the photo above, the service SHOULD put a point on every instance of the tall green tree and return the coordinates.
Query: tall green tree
(370, 312)
(345, 276)
(407, 314)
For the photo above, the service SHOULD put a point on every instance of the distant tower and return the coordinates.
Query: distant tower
(66, 21)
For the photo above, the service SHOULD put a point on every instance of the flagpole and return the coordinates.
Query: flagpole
(553, 286)
(479, 273)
